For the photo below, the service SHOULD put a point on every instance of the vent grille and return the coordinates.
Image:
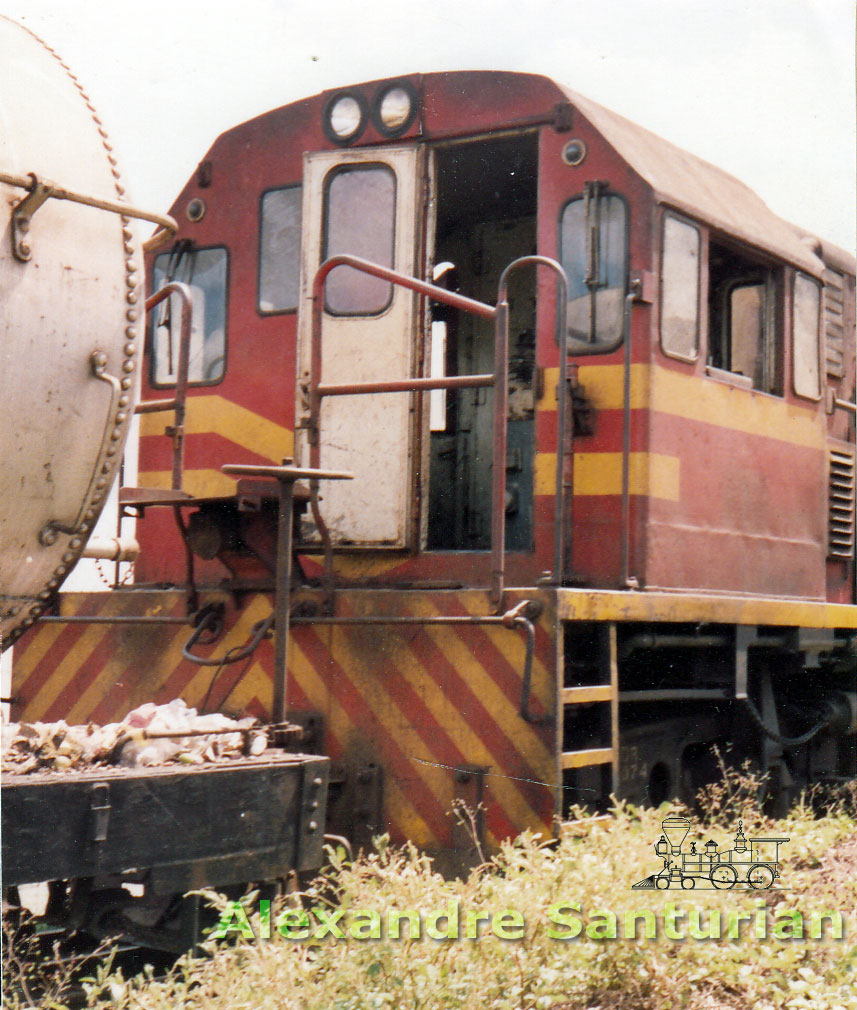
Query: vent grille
(834, 323)
(841, 515)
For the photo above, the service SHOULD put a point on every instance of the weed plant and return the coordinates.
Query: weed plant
(593, 864)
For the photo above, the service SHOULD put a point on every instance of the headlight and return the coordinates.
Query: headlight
(344, 118)
(394, 109)
(574, 152)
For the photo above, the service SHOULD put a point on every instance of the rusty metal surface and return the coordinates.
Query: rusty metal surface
(285, 477)
(242, 817)
(71, 334)
(419, 699)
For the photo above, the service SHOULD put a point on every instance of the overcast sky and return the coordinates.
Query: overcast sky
(763, 88)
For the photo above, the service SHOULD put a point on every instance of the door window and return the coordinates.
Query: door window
(744, 336)
(359, 219)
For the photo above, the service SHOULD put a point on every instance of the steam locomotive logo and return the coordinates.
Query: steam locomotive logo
(751, 863)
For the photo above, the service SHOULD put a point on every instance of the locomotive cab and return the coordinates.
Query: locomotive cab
(670, 479)
(602, 509)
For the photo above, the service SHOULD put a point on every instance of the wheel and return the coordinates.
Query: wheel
(723, 876)
(662, 883)
(760, 876)
(688, 883)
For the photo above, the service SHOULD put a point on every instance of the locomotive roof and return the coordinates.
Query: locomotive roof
(678, 178)
(700, 189)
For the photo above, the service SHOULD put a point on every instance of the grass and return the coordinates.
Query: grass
(593, 865)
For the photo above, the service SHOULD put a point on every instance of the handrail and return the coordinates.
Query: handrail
(520, 616)
(562, 341)
(629, 581)
(317, 391)
(31, 182)
(499, 380)
(178, 403)
(844, 405)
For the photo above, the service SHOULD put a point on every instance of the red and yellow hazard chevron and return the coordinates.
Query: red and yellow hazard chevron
(418, 701)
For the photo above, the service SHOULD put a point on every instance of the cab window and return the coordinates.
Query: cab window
(594, 254)
(205, 271)
(680, 258)
(743, 326)
(806, 306)
(279, 250)
(359, 219)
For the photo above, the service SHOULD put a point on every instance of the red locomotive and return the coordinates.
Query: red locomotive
(597, 402)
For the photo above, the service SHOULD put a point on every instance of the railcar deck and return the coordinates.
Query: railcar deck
(207, 825)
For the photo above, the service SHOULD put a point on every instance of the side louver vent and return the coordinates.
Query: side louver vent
(841, 514)
(834, 332)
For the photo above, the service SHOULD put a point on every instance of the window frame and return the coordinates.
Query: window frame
(572, 348)
(702, 238)
(761, 270)
(150, 325)
(819, 337)
(344, 169)
(278, 312)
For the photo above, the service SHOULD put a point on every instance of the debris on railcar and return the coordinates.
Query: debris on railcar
(149, 735)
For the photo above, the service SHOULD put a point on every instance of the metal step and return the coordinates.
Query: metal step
(585, 758)
(584, 695)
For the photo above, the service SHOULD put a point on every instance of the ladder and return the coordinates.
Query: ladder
(601, 673)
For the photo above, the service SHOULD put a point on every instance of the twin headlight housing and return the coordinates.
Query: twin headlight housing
(393, 111)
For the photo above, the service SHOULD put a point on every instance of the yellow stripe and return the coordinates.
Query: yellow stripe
(586, 758)
(238, 635)
(215, 414)
(696, 398)
(257, 684)
(600, 473)
(161, 646)
(603, 385)
(254, 684)
(368, 566)
(595, 605)
(25, 663)
(714, 402)
(65, 672)
(199, 483)
(377, 699)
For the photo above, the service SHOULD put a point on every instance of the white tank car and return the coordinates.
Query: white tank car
(71, 323)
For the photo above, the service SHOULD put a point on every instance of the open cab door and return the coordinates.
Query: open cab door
(366, 203)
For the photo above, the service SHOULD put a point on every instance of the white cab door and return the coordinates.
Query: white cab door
(367, 203)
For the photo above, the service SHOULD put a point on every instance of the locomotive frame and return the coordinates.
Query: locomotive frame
(646, 589)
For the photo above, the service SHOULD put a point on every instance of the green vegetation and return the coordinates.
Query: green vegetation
(593, 865)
